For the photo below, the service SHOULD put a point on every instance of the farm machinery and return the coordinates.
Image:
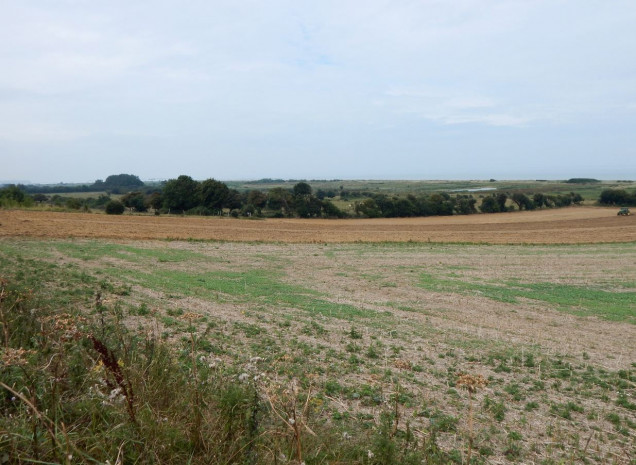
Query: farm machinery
(624, 212)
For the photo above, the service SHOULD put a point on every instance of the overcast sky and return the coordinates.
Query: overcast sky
(369, 89)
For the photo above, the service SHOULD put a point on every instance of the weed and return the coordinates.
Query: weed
(471, 383)
(530, 406)
(354, 333)
(498, 409)
(565, 410)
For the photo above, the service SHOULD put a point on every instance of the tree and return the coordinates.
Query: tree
(617, 197)
(522, 201)
(135, 201)
(156, 200)
(213, 194)
(489, 205)
(576, 198)
(540, 200)
(257, 198)
(465, 205)
(442, 204)
(14, 193)
(115, 207)
(120, 181)
(180, 194)
(279, 199)
(368, 208)
(501, 201)
(403, 208)
(235, 199)
(307, 206)
(302, 188)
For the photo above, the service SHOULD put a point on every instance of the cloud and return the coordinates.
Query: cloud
(331, 80)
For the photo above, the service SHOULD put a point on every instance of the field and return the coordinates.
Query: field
(561, 226)
(363, 336)
(590, 191)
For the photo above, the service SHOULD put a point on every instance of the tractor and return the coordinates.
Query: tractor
(624, 212)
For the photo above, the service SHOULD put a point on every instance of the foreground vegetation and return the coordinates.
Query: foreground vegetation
(181, 352)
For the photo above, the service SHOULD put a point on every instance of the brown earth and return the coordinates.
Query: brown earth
(560, 226)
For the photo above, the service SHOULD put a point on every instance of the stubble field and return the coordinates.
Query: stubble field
(567, 226)
(545, 312)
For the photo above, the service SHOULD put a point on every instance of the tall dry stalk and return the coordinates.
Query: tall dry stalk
(472, 383)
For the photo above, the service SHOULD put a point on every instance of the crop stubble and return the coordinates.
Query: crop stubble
(560, 226)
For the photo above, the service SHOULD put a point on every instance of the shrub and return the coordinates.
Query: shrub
(114, 207)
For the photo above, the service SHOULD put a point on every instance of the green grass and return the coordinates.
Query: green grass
(95, 250)
(253, 286)
(617, 305)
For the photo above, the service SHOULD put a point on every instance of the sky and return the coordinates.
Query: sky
(324, 89)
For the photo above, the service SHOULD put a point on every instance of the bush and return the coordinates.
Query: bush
(617, 197)
(201, 211)
(115, 207)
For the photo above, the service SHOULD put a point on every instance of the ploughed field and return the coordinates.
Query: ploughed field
(561, 226)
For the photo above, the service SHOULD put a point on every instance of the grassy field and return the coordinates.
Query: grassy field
(322, 353)
(589, 191)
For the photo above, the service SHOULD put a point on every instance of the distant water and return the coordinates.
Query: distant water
(476, 189)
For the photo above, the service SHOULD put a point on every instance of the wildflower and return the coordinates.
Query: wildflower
(346, 435)
(97, 368)
(291, 421)
(370, 454)
(14, 357)
(114, 393)
(471, 382)
(190, 316)
(67, 325)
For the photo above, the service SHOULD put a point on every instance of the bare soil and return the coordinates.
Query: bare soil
(560, 226)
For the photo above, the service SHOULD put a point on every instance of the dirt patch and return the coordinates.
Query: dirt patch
(561, 226)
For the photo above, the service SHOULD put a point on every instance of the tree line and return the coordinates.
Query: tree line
(211, 197)
(113, 184)
(618, 197)
(184, 195)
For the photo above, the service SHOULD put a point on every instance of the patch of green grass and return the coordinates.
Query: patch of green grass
(565, 410)
(619, 305)
(254, 286)
(95, 250)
